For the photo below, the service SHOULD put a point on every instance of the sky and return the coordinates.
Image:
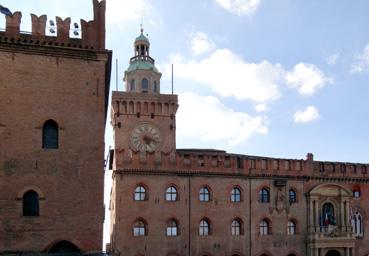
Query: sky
(276, 78)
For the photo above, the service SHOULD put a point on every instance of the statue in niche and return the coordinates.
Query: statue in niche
(280, 200)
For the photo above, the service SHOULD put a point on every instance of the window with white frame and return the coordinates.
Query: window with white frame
(357, 224)
(171, 194)
(140, 193)
(291, 227)
(172, 228)
(204, 228)
(264, 227)
(236, 195)
(204, 194)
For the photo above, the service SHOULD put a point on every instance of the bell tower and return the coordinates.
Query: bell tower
(143, 118)
(142, 75)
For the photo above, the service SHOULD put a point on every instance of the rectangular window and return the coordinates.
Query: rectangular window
(287, 165)
(227, 162)
(298, 165)
(186, 160)
(252, 163)
(200, 161)
(264, 164)
(275, 164)
(239, 162)
(363, 169)
(321, 167)
(214, 161)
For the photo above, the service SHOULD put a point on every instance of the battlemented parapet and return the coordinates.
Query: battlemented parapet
(218, 162)
(93, 32)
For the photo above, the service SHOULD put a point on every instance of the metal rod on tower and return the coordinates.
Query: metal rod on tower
(116, 74)
(172, 78)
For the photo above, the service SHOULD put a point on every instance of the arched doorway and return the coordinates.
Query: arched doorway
(333, 253)
(64, 247)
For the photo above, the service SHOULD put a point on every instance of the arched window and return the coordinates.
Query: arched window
(172, 228)
(171, 194)
(50, 135)
(155, 86)
(291, 227)
(292, 196)
(357, 224)
(264, 195)
(140, 228)
(204, 227)
(132, 85)
(236, 195)
(328, 216)
(264, 227)
(145, 85)
(140, 193)
(236, 227)
(31, 204)
(356, 191)
(204, 195)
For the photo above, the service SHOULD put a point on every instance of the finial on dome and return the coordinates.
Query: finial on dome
(141, 25)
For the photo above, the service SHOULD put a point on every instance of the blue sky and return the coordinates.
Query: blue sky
(275, 78)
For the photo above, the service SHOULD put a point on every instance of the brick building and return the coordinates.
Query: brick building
(199, 202)
(54, 94)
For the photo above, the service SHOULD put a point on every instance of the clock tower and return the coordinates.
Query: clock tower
(143, 119)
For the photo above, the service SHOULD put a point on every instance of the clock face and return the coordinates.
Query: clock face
(145, 137)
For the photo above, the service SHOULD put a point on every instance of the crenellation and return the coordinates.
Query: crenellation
(13, 24)
(93, 32)
(229, 163)
(63, 27)
(38, 25)
(87, 30)
(145, 107)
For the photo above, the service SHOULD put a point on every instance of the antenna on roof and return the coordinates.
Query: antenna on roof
(116, 74)
(172, 78)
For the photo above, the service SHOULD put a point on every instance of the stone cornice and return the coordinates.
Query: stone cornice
(197, 173)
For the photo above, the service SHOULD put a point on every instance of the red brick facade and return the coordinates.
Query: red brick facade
(224, 204)
(62, 83)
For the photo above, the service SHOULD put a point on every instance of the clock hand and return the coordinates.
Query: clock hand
(148, 139)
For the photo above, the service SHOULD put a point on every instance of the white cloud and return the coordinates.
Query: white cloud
(307, 79)
(261, 108)
(205, 118)
(332, 59)
(118, 11)
(201, 43)
(310, 114)
(362, 61)
(240, 7)
(229, 75)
